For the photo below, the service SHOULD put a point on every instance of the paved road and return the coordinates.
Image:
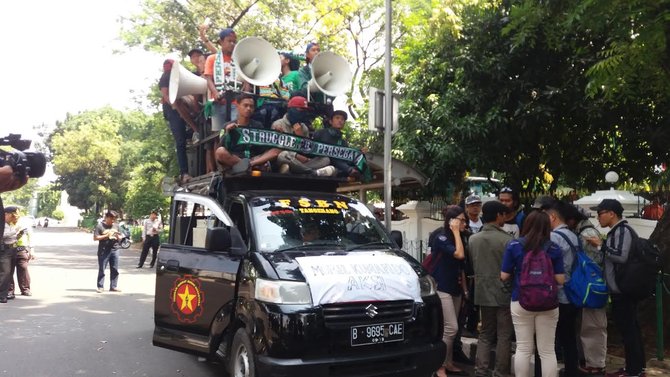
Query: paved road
(67, 329)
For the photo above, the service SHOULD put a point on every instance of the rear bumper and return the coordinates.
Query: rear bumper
(419, 361)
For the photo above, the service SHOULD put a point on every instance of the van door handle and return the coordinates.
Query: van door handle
(172, 265)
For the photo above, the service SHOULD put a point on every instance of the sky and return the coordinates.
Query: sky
(57, 58)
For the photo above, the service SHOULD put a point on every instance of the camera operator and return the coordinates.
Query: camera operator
(8, 182)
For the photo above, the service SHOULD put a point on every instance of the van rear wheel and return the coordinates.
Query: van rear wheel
(242, 356)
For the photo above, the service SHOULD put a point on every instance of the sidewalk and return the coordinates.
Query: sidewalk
(654, 367)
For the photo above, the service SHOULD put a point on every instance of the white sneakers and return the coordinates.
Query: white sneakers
(326, 171)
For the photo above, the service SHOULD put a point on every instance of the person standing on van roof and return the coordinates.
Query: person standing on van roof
(617, 248)
(514, 222)
(473, 209)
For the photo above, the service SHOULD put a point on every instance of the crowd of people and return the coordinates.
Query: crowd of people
(231, 103)
(486, 255)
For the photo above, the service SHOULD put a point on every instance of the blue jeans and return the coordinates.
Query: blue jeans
(178, 128)
(111, 257)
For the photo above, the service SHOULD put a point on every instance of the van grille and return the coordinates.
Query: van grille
(347, 314)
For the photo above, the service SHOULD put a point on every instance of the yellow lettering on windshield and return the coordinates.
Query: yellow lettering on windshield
(304, 203)
(322, 203)
(285, 202)
(340, 205)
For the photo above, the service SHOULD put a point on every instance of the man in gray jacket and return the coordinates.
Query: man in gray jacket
(493, 297)
(616, 249)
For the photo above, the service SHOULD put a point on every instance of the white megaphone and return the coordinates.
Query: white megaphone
(257, 61)
(330, 74)
(184, 82)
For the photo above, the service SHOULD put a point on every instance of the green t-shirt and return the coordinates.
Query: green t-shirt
(291, 81)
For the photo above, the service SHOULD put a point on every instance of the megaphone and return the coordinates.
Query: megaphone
(257, 61)
(330, 74)
(184, 82)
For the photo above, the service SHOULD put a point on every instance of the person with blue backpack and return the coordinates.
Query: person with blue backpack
(593, 330)
(536, 266)
(568, 312)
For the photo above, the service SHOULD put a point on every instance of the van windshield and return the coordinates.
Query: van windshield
(283, 223)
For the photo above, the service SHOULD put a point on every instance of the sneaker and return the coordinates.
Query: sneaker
(26, 293)
(99, 290)
(284, 169)
(114, 290)
(327, 171)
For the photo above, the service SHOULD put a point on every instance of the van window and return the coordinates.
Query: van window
(190, 224)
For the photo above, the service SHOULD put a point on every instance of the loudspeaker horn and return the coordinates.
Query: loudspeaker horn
(184, 82)
(257, 61)
(330, 74)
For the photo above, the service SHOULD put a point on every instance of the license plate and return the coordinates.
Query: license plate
(378, 333)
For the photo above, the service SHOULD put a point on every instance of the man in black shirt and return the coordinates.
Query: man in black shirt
(107, 233)
(333, 135)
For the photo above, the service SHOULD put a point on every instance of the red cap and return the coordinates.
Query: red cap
(298, 103)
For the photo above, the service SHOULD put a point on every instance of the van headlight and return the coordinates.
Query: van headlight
(282, 292)
(428, 285)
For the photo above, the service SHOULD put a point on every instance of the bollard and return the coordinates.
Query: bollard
(659, 318)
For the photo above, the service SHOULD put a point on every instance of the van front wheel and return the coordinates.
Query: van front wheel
(242, 357)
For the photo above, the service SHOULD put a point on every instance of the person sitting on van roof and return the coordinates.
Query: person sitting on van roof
(333, 135)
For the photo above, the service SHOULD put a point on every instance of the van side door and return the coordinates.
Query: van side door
(193, 283)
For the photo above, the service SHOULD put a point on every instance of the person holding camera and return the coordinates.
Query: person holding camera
(107, 233)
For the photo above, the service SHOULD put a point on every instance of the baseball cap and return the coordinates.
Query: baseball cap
(493, 207)
(472, 199)
(543, 202)
(11, 209)
(226, 32)
(340, 112)
(609, 205)
(298, 102)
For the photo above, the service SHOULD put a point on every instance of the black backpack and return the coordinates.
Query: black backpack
(637, 277)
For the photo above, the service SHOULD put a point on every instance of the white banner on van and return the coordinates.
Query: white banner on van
(359, 277)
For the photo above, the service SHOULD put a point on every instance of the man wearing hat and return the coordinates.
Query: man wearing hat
(24, 254)
(493, 297)
(107, 233)
(333, 135)
(151, 230)
(473, 208)
(543, 203)
(8, 250)
(617, 248)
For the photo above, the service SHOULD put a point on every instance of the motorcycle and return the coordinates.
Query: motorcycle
(124, 242)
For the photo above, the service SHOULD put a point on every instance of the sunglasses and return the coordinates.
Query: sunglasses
(506, 190)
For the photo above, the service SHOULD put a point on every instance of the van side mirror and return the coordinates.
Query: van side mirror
(396, 237)
(217, 239)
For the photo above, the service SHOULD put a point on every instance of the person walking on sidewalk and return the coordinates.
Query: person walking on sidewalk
(617, 248)
(107, 233)
(491, 294)
(151, 230)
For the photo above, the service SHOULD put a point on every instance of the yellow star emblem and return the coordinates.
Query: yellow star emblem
(186, 299)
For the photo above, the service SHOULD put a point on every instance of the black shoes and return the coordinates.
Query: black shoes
(138, 266)
(3, 300)
(461, 358)
(11, 296)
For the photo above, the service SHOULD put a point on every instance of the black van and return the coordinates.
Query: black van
(275, 280)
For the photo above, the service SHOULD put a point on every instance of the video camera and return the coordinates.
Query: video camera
(23, 163)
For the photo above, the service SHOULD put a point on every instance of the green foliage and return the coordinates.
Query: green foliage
(89, 221)
(22, 196)
(48, 199)
(58, 214)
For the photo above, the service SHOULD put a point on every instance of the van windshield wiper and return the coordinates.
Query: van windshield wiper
(376, 243)
(309, 245)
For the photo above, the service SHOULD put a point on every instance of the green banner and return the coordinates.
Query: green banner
(302, 145)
